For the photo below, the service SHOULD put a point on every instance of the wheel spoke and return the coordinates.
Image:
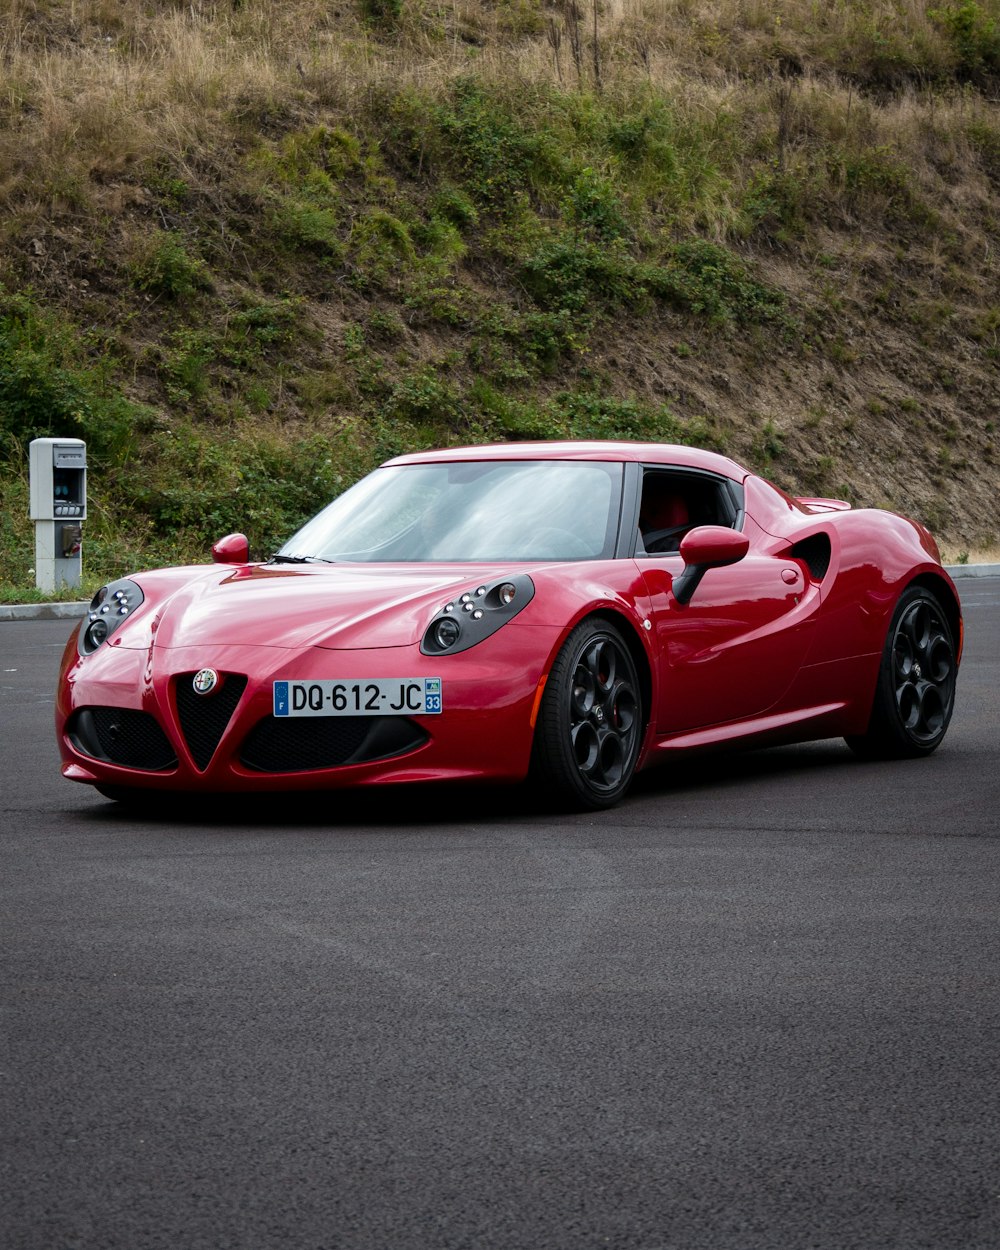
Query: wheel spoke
(582, 699)
(939, 659)
(600, 661)
(621, 707)
(586, 747)
(931, 709)
(903, 657)
(612, 759)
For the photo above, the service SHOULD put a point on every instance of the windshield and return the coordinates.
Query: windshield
(469, 510)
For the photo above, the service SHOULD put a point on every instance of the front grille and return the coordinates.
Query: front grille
(204, 717)
(279, 744)
(121, 736)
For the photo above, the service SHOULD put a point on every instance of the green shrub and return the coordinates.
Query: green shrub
(382, 247)
(441, 243)
(778, 203)
(593, 205)
(424, 396)
(572, 276)
(193, 485)
(975, 38)
(487, 149)
(316, 157)
(258, 328)
(712, 281)
(584, 414)
(51, 386)
(306, 226)
(162, 266)
(382, 12)
(543, 337)
(452, 204)
(189, 357)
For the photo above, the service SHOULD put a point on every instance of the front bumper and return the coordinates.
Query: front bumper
(129, 718)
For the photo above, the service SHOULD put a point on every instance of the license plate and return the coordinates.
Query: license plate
(396, 696)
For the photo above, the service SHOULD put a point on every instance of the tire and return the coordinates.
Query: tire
(915, 691)
(590, 723)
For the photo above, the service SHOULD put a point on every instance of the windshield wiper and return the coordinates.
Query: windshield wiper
(280, 559)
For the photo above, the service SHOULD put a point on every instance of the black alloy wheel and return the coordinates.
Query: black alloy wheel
(915, 693)
(590, 723)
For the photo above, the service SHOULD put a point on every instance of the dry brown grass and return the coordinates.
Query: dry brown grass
(92, 87)
(951, 554)
(81, 66)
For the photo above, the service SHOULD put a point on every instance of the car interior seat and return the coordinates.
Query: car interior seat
(664, 518)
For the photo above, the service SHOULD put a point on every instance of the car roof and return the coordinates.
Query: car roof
(644, 453)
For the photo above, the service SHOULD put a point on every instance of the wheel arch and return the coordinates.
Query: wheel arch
(575, 684)
(640, 657)
(945, 594)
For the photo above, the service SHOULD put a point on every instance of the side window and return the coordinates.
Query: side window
(674, 502)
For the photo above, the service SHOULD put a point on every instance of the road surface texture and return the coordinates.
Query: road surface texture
(757, 1007)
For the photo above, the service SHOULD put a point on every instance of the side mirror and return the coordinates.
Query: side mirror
(233, 549)
(703, 548)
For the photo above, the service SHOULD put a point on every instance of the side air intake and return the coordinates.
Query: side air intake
(816, 552)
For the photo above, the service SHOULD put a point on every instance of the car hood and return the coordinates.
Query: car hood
(340, 606)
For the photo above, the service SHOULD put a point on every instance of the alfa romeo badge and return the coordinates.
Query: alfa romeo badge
(205, 681)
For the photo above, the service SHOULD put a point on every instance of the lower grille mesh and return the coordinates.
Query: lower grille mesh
(121, 736)
(279, 744)
(204, 717)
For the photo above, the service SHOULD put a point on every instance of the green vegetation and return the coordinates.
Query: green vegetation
(249, 251)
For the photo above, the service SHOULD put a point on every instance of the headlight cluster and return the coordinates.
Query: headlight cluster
(109, 608)
(476, 615)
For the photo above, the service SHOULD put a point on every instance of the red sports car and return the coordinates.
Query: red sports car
(570, 612)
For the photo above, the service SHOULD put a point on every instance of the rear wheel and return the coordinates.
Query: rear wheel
(915, 693)
(589, 727)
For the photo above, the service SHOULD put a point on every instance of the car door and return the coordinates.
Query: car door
(732, 652)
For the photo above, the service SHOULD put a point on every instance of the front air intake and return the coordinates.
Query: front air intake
(204, 717)
(121, 735)
(279, 744)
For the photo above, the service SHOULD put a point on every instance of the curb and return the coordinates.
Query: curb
(71, 611)
(972, 570)
(42, 611)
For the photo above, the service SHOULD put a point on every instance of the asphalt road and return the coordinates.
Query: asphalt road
(754, 1007)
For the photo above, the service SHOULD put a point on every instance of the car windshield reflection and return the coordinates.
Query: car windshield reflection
(469, 511)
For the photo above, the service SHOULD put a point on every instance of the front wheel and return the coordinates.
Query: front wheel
(915, 692)
(590, 723)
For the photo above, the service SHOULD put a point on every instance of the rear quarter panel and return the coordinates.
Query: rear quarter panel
(876, 555)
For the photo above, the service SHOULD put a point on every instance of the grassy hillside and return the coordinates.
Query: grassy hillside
(249, 249)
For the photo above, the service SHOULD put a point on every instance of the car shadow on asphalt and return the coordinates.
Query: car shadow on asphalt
(420, 806)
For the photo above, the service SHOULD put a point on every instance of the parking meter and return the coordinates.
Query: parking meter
(57, 470)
